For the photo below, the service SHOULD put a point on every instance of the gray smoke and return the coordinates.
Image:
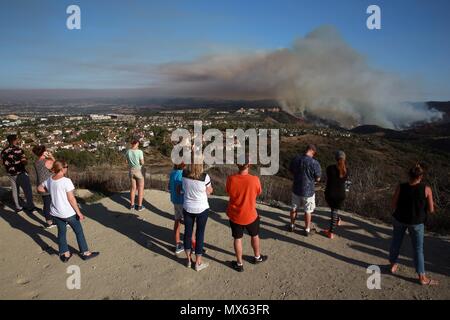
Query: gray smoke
(320, 74)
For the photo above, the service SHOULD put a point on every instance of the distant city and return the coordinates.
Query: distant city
(71, 127)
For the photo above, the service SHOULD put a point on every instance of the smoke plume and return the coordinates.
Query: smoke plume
(319, 74)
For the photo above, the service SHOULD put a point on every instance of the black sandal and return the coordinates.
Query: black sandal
(64, 259)
(235, 266)
(87, 257)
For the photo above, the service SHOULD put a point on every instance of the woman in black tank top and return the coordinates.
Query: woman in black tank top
(412, 202)
(335, 190)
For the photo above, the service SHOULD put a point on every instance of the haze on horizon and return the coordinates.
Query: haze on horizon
(310, 56)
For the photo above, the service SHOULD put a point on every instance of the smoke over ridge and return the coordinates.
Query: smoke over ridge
(320, 74)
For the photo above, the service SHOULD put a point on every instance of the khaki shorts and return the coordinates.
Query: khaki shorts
(307, 203)
(178, 208)
(135, 174)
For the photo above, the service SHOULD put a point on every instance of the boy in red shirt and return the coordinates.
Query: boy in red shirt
(243, 188)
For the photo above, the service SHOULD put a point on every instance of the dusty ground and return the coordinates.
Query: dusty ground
(137, 261)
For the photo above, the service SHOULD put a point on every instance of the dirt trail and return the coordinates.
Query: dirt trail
(137, 260)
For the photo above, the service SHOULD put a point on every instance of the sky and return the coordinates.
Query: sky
(121, 44)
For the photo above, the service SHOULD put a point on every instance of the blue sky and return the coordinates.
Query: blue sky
(121, 41)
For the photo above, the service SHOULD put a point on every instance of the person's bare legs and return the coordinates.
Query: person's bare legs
(255, 246)
(308, 221)
(176, 231)
(238, 250)
(293, 214)
(132, 191)
(140, 184)
(189, 255)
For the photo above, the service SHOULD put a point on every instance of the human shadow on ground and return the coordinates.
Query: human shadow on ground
(35, 232)
(155, 238)
(161, 238)
(373, 244)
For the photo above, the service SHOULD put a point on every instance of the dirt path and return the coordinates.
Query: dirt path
(137, 262)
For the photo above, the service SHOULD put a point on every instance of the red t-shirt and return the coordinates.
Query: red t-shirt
(243, 190)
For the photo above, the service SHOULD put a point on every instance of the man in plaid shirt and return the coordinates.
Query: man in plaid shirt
(14, 160)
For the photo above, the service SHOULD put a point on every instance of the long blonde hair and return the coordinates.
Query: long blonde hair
(196, 171)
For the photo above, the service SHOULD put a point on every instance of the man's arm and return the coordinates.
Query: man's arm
(395, 198)
(318, 172)
(430, 202)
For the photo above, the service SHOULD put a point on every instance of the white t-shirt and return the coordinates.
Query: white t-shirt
(58, 189)
(195, 197)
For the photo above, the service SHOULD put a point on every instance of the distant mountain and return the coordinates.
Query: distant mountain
(381, 132)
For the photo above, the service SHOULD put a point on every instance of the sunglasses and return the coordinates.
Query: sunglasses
(65, 167)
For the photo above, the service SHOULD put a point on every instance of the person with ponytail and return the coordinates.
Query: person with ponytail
(412, 202)
(64, 209)
(337, 175)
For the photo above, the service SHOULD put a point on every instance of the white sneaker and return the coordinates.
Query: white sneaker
(200, 267)
(179, 248)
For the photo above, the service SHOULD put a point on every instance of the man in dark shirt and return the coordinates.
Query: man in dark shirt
(307, 172)
(14, 160)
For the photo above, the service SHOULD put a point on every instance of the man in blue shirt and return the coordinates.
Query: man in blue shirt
(307, 172)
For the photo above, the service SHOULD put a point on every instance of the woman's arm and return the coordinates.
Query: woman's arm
(395, 198)
(74, 204)
(42, 189)
(209, 190)
(430, 202)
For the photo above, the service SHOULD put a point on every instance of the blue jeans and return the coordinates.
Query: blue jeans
(47, 199)
(62, 230)
(416, 232)
(200, 219)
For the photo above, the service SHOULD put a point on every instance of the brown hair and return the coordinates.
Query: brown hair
(417, 171)
(179, 166)
(39, 150)
(246, 164)
(58, 166)
(311, 147)
(134, 141)
(342, 167)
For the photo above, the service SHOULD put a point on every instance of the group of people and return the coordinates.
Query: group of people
(57, 191)
(190, 187)
(189, 190)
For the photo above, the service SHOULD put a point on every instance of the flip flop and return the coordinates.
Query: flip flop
(394, 271)
(430, 282)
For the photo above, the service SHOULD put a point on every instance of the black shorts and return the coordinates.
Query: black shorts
(237, 230)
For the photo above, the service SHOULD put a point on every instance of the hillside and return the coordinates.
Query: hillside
(137, 262)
